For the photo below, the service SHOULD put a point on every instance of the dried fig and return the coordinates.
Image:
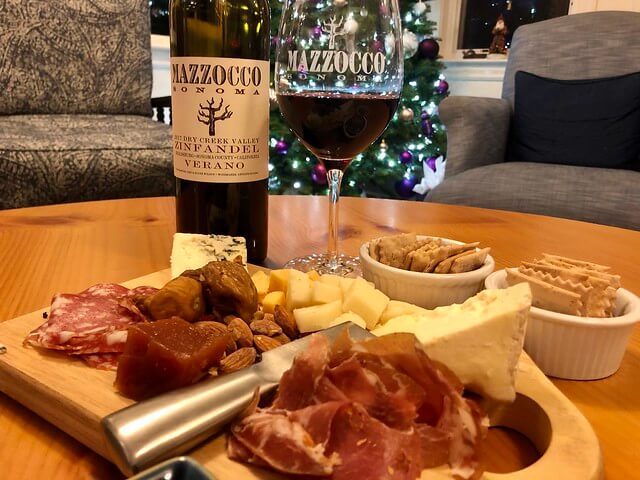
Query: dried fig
(181, 297)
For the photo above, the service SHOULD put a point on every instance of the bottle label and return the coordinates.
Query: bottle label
(220, 110)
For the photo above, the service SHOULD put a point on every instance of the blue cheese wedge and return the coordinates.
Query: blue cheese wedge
(480, 340)
(191, 251)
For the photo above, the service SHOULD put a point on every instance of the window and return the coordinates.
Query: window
(159, 10)
(478, 17)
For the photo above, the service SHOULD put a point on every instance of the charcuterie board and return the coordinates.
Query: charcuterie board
(75, 398)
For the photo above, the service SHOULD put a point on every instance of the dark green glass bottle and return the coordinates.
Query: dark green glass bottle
(220, 111)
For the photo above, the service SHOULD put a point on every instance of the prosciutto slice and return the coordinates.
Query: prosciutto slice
(379, 409)
(90, 323)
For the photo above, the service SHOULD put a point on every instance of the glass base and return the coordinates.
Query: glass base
(343, 265)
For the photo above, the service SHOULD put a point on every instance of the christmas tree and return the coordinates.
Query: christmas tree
(405, 161)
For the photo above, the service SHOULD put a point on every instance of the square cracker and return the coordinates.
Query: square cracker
(470, 262)
(384, 247)
(427, 261)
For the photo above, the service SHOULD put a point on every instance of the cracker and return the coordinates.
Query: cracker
(438, 254)
(576, 263)
(445, 265)
(470, 262)
(386, 246)
(545, 295)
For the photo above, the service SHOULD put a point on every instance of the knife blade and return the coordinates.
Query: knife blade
(147, 432)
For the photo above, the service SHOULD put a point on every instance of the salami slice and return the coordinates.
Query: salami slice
(92, 321)
(101, 361)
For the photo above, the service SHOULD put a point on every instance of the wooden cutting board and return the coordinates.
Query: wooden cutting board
(75, 398)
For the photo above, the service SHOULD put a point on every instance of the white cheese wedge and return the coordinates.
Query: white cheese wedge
(298, 290)
(366, 301)
(395, 308)
(191, 251)
(318, 317)
(480, 340)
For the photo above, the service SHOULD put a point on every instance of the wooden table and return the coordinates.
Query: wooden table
(69, 247)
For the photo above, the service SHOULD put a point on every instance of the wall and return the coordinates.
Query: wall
(160, 60)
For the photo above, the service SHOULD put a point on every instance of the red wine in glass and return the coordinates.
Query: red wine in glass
(337, 126)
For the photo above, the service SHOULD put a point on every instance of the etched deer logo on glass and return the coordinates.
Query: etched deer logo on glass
(333, 29)
(207, 115)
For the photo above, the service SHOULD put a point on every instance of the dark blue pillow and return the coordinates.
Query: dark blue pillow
(593, 123)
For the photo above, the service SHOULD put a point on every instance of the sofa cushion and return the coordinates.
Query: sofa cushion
(75, 56)
(47, 159)
(594, 123)
(598, 195)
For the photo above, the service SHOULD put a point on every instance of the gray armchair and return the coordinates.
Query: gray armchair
(75, 104)
(590, 45)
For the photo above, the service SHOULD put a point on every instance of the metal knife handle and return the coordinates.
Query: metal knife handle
(167, 425)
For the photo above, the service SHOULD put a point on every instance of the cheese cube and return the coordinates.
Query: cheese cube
(345, 283)
(313, 275)
(278, 280)
(396, 308)
(318, 317)
(366, 301)
(261, 281)
(324, 293)
(298, 290)
(349, 317)
(330, 279)
(272, 299)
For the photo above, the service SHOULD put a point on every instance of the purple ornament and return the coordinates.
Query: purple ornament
(274, 41)
(282, 147)
(319, 174)
(404, 187)
(316, 32)
(442, 87)
(431, 163)
(377, 46)
(406, 157)
(428, 49)
(424, 115)
(427, 128)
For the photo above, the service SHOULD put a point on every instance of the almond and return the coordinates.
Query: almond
(258, 315)
(240, 332)
(241, 358)
(265, 327)
(219, 329)
(285, 319)
(282, 338)
(264, 343)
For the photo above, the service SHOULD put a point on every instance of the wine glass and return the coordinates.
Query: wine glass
(338, 79)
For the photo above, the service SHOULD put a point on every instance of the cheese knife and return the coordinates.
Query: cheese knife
(147, 432)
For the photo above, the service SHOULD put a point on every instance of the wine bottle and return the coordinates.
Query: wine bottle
(220, 112)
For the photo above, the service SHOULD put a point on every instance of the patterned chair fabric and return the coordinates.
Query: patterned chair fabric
(583, 46)
(75, 88)
(75, 56)
(48, 159)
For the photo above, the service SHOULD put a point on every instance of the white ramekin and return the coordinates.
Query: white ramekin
(577, 348)
(427, 290)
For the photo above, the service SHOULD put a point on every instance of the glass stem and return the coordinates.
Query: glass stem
(334, 178)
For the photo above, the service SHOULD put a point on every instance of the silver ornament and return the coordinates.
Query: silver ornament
(406, 114)
(351, 26)
(419, 8)
(410, 43)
